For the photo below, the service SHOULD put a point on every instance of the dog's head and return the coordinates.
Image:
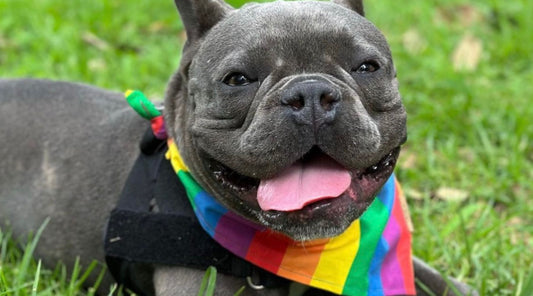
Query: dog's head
(287, 112)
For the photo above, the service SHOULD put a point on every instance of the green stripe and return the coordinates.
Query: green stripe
(142, 105)
(372, 222)
(190, 185)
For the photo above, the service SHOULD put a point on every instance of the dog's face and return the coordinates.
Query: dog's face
(287, 112)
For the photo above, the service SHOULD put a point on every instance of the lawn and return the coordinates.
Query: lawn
(466, 77)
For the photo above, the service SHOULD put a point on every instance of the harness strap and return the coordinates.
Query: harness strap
(153, 223)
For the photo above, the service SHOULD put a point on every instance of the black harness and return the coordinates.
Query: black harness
(153, 223)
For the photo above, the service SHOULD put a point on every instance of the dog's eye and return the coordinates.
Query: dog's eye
(236, 79)
(368, 67)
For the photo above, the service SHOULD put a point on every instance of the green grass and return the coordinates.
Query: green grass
(469, 130)
(21, 275)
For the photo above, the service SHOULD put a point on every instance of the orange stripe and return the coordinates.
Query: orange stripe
(301, 259)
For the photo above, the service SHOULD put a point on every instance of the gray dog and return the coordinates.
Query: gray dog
(262, 92)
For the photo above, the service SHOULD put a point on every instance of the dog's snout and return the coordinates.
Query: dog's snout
(311, 101)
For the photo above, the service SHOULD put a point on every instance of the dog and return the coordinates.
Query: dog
(263, 94)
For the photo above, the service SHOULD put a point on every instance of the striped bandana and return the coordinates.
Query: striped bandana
(372, 257)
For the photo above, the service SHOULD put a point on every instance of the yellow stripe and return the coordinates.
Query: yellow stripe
(128, 93)
(174, 156)
(336, 260)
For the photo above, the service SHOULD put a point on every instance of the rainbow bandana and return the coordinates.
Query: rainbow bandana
(372, 257)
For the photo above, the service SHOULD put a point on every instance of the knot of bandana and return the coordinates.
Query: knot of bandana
(144, 107)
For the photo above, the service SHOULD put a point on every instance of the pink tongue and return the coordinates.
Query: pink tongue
(303, 183)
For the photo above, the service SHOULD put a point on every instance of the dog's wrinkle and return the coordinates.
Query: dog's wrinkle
(218, 123)
(288, 32)
(235, 61)
(320, 21)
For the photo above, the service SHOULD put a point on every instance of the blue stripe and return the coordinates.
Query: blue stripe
(386, 195)
(375, 286)
(208, 211)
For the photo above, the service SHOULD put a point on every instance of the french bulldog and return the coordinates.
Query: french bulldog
(260, 90)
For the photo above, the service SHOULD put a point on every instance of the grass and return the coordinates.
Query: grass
(465, 72)
(21, 275)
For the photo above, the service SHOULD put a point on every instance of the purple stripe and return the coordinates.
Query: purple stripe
(235, 233)
(391, 272)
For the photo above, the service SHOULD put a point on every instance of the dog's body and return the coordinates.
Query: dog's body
(258, 90)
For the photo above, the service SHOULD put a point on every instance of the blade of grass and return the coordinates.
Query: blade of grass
(27, 258)
(4, 238)
(207, 287)
(424, 288)
(16, 289)
(112, 290)
(99, 279)
(240, 291)
(3, 281)
(36, 279)
(528, 286)
(72, 287)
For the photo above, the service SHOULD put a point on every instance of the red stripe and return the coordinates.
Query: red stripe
(158, 127)
(403, 250)
(267, 250)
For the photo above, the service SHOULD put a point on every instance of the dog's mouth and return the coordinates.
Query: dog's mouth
(312, 182)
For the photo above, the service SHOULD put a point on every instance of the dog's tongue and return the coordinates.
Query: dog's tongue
(303, 183)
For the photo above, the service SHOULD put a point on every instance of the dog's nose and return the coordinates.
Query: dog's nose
(312, 101)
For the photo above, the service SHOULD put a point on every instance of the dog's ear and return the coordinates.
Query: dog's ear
(355, 5)
(198, 16)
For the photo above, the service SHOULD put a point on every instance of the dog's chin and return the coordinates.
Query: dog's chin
(324, 218)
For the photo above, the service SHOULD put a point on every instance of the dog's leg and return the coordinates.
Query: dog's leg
(169, 280)
(434, 281)
(65, 153)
